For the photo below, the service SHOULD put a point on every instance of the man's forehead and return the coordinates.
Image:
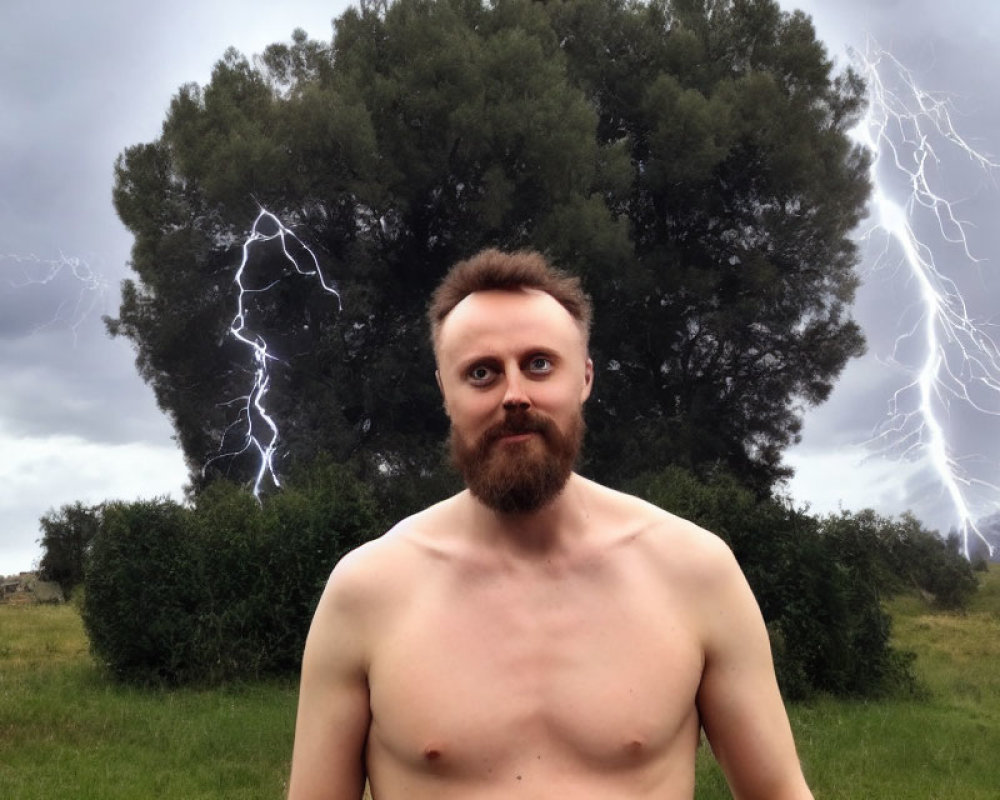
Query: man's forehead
(485, 306)
(494, 309)
(499, 296)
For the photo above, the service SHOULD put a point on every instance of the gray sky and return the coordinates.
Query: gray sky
(79, 82)
(952, 51)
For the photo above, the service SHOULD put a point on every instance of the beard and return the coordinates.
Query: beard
(518, 477)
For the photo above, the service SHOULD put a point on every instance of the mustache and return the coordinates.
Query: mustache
(516, 422)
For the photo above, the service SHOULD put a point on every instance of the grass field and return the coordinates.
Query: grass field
(67, 732)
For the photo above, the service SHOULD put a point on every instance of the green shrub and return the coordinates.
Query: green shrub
(143, 591)
(224, 591)
(267, 566)
(227, 528)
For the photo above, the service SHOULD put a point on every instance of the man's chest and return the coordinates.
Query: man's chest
(484, 677)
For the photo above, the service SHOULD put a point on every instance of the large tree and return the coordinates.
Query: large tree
(688, 159)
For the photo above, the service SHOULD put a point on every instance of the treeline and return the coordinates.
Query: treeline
(225, 589)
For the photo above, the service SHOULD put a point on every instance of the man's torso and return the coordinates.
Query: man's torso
(574, 676)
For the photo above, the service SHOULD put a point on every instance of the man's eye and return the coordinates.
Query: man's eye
(540, 364)
(480, 374)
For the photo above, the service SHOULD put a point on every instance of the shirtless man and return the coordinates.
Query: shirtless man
(537, 635)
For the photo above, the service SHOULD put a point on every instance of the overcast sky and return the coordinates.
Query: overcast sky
(951, 50)
(79, 82)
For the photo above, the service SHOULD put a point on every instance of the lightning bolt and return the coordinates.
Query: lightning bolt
(31, 270)
(263, 436)
(905, 128)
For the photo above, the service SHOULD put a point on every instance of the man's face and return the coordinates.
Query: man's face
(514, 373)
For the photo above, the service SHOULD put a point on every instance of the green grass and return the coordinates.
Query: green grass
(941, 746)
(66, 731)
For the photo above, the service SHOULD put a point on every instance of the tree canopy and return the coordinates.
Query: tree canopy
(687, 158)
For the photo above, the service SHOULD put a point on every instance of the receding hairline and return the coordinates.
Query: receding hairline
(495, 270)
(525, 291)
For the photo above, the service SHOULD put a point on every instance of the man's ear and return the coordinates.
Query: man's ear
(444, 400)
(588, 381)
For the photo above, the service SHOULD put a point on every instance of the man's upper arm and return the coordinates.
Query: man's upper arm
(333, 712)
(740, 706)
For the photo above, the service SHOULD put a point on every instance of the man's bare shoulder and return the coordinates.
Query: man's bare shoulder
(387, 565)
(675, 543)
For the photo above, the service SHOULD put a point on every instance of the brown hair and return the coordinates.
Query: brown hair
(493, 269)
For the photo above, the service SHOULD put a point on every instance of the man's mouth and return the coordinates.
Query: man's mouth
(521, 436)
(519, 428)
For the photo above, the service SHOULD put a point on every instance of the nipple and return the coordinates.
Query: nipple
(431, 754)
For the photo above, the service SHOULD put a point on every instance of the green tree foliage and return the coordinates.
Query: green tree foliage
(66, 537)
(896, 555)
(142, 590)
(225, 590)
(688, 159)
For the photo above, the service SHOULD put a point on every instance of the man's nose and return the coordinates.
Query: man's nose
(516, 396)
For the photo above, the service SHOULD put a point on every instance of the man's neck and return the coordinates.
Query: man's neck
(556, 528)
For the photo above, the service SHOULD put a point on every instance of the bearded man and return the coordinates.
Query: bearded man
(537, 635)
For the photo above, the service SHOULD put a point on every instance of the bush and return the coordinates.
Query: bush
(226, 590)
(143, 591)
(264, 568)
(308, 528)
